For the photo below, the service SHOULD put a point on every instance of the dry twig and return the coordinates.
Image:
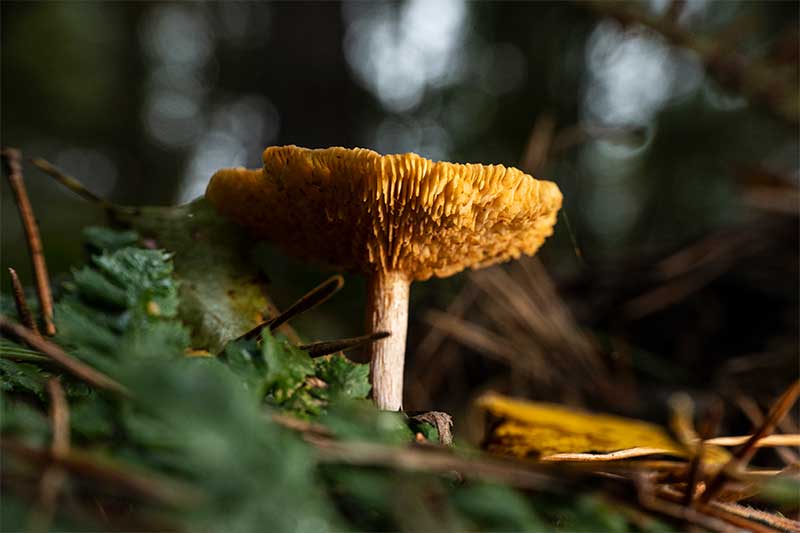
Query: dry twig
(69, 182)
(85, 465)
(54, 476)
(24, 312)
(318, 349)
(748, 449)
(436, 460)
(12, 159)
(753, 412)
(313, 298)
(52, 350)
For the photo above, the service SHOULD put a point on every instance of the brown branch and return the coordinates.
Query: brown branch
(650, 500)
(12, 160)
(753, 412)
(52, 350)
(54, 476)
(69, 182)
(318, 349)
(86, 466)
(313, 298)
(24, 312)
(748, 449)
(435, 459)
(738, 516)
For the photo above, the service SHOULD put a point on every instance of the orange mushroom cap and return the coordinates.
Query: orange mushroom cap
(356, 209)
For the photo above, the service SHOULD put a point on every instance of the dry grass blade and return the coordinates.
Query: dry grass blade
(522, 302)
(743, 455)
(708, 427)
(54, 476)
(12, 160)
(767, 442)
(744, 518)
(474, 336)
(539, 142)
(780, 200)
(630, 453)
(649, 499)
(24, 312)
(672, 292)
(753, 412)
(318, 349)
(52, 350)
(313, 298)
(429, 346)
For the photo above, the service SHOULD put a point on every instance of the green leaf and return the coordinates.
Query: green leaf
(343, 377)
(92, 419)
(781, 491)
(95, 288)
(14, 351)
(23, 421)
(21, 377)
(428, 431)
(361, 420)
(244, 358)
(286, 366)
(222, 293)
(101, 239)
(496, 508)
(146, 277)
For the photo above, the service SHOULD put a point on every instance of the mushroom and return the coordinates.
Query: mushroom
(396, 218)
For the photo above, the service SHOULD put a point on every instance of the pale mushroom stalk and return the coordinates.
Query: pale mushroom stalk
(387, 310)
(395, 218)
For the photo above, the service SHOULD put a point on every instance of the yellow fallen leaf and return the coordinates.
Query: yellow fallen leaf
(551, 432)
(190, 352)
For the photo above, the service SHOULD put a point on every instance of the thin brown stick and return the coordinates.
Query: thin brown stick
(59, 418)
(24, 312)
(318, 349)
(743, 455)
(753, 412)
(54, 477)
(69, 182)
(436, 460)
(708, 427)
(741, 517)
(52, 350)
(313, 298)
(86, 465)
(648, 499)
(12, 159)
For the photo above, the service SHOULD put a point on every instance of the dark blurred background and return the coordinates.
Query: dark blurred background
(670, 126)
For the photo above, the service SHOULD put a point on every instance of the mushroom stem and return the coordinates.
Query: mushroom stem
(387, 310)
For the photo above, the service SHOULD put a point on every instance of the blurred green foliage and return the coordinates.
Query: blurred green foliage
(201, 428)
